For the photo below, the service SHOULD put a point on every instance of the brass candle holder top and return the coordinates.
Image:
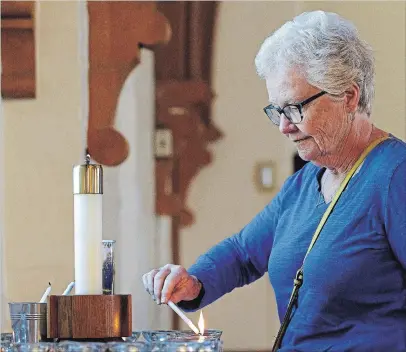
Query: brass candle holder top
(88, 178)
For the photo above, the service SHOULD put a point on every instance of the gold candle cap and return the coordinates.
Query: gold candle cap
(88, 179)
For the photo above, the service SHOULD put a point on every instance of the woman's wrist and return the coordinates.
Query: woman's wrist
(194, 303)
(197, 286)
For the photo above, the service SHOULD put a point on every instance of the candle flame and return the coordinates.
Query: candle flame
(200, 324)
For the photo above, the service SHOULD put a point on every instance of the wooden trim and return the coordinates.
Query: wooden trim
(25, 88)
(18, 75)
(17, 9)
(18, 63)
(19, 23)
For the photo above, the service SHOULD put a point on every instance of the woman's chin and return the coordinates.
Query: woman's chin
(307, 150)
(305, 154)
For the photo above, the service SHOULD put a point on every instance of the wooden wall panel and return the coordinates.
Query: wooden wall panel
(184, 96)
(200, 41)
(18, 49)
(17, 9)
(171, 59)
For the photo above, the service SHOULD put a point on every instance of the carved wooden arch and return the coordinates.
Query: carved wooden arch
(183, 103)
(117, 29)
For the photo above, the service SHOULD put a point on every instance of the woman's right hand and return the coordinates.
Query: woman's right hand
(171, 282)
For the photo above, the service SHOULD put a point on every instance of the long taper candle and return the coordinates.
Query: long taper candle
(46, 294)
(68, 288)
(88, 191)
(184, 317)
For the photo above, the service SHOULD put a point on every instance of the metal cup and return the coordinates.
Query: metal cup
(28, 321)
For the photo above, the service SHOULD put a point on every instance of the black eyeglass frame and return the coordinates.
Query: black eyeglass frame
(299, 107)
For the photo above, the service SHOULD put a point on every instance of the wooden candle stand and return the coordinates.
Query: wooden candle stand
(95, 317)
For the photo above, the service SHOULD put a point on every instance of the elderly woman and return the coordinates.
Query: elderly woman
(333, 240)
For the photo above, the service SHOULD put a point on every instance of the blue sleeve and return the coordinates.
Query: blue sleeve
(237, 260)
(395, 216)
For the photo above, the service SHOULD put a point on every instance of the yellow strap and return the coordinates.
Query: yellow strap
(341, 189)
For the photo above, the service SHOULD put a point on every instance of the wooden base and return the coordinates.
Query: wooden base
(89, 316)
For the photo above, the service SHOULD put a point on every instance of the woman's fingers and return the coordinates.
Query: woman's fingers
(145, 282)
(163, 282)
(150, 282)
(159, 280)
(169, 285)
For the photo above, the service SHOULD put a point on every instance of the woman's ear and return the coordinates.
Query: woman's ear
(352, 95)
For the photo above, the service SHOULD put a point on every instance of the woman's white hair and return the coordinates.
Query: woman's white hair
(327, 49)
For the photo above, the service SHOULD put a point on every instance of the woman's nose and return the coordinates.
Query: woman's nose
(286, 126)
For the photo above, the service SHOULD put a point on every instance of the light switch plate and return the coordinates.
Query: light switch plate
(265, 176)
(163, 143)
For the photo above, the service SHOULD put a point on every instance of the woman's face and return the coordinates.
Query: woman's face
(326, 123)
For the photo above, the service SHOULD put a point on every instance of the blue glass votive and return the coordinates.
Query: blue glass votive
(108, 267)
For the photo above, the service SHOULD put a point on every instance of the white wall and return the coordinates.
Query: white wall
(3, 301)
(223, 195)
(42, 141)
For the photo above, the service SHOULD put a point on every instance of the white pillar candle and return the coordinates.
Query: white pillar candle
(88, 244)
(88, 192)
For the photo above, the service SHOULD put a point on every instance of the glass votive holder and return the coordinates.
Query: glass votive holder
(75, 346)
(181, 335)
(127, 347)
(133, 338)
(108, 267)
(6, 337)
(188, 346)
(159, 335)
(34, 347)
(6, 341)
(208, 335)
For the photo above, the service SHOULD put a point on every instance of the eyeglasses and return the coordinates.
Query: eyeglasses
(293, 112)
